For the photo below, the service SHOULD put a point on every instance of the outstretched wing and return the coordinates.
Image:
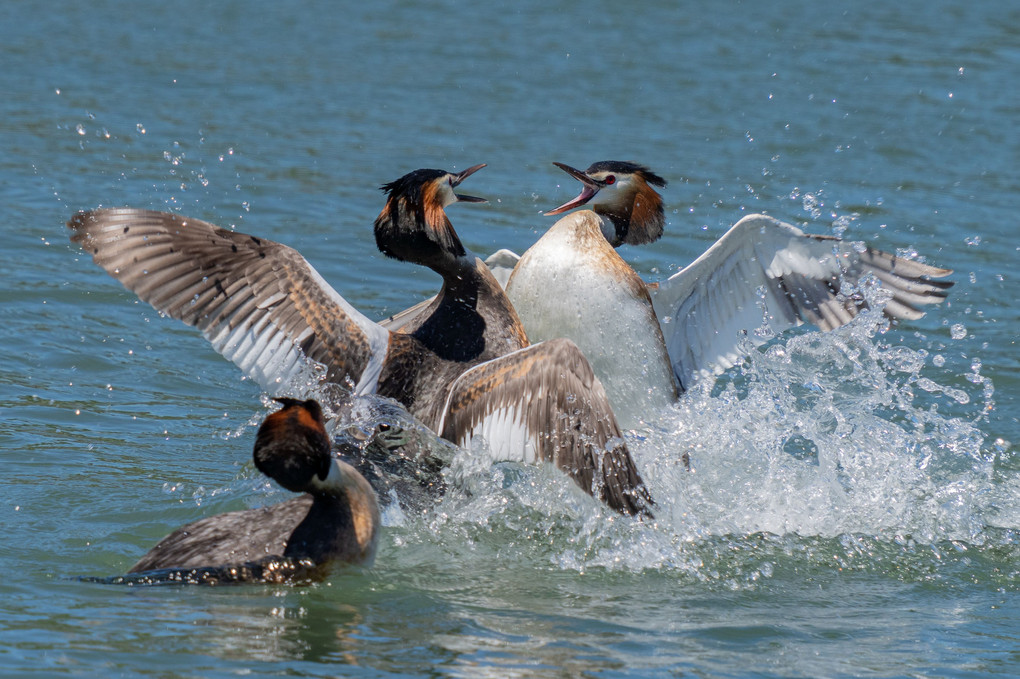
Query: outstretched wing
(544, 403)
(258, 302)
(766, 274)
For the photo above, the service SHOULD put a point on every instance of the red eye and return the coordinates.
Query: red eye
(610, 180)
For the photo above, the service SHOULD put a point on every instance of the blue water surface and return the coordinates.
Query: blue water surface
(854, 506)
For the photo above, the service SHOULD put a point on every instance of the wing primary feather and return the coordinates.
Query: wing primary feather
(250, 297)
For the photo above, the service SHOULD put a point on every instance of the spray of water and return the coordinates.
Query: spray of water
(837, 450)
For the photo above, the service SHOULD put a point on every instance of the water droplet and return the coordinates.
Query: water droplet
(958, 331)
(80, 129)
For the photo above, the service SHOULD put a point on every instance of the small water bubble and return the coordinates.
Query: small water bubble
(958, 331)
(938, 360)
(140, 128)
(958, 395)
(812, 204)
(973, 240)
(80, 129)
(841, 224)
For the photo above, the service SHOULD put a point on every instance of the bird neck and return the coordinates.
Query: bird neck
(614, 222)
(471, 318)
(636, 220)
(346, 503)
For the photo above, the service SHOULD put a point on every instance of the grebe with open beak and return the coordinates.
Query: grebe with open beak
(648, 342)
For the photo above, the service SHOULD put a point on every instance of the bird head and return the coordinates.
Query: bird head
(621, 191)
(292, 446)
(413, 225)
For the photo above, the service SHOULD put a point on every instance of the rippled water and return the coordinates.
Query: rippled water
(853, 502)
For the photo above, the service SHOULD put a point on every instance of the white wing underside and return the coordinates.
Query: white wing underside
(502, 436)
(765, 276)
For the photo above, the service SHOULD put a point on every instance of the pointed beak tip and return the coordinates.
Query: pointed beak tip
(461, 176)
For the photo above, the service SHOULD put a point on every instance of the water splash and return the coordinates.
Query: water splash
(841, 450)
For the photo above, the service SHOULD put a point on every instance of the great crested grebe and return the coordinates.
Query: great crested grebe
(336, 519)
(463, 367)
(647, 342)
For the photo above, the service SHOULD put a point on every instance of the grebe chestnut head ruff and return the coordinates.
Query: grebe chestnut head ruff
(335, 520)
(463, 367)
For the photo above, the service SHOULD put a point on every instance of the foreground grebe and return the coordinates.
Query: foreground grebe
(464, 367)
(335, 520)
(646, 343)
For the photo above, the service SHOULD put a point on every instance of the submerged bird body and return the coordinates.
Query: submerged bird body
(762, 274)
(335, 520)
(463, 367)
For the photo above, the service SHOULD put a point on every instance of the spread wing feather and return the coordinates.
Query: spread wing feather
(259, 303)
(767, 275)
(544, 403)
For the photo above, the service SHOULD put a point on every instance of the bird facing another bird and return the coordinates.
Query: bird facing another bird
(463, 367)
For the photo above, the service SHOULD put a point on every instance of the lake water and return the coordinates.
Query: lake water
(853, 507)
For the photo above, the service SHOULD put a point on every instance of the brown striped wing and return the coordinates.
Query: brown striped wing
(544, 403)
(259, 303)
